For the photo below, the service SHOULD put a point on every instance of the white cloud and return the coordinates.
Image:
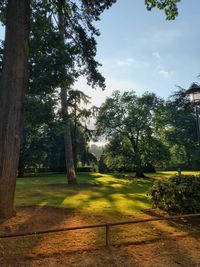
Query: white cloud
(165, 73)
(156, 55)
(125, 62)
(118, 63)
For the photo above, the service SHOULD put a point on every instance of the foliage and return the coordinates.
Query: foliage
(132, 124)
(80, 115)
(180, 135)
(39, 117)
(54, 63)
(169, 7)
(180, 194)
(118, 155)
(168, 139)
(66, 60)
(43, 142)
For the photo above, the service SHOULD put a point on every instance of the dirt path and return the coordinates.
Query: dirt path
(184, 251)
(150, 244)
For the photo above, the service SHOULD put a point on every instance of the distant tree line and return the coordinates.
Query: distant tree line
(143, 133)
(43, 146)
(147, 133)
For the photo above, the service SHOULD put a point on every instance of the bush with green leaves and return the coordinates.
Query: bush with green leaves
(178, 194)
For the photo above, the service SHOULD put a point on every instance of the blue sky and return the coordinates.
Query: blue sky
(141, 51)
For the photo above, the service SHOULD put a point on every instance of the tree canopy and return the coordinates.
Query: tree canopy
(169, 6)
(133, 120)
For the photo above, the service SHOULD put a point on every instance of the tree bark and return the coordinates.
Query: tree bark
(71, 174)
(139, 172)
(75, 138)
(13, 84)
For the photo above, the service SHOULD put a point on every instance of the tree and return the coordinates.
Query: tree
(55, 147)
(79, 115)
(181, 133)
(118, 155)
(154, 153)
(133, 119)
(39, 117)
(14, 79)
(13, 84)
(76, 49)
(43, 135)
(71, 173)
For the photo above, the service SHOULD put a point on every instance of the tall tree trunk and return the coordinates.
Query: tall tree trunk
(138, 164)
(139, 172)
(71, 174)
(75, 138)
(13, 83)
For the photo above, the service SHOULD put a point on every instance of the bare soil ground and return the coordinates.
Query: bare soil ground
(150, 244)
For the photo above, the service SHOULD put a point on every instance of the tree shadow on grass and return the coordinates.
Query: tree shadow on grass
(28, 219)
(113, 194)
(57, 194)
(43, 217)
(167, 242)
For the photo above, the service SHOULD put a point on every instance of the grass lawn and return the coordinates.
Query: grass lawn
(96, 193)
(46, 201)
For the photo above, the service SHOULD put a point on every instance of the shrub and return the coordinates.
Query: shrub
(180, 194)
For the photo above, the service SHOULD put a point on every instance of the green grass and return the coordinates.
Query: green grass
(98, 198)
(96, 193)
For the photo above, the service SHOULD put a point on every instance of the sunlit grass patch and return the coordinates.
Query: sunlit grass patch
(96, 193)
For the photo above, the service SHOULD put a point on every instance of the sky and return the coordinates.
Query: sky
(142, 51)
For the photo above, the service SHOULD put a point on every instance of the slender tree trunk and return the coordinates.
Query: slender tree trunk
(71, 174)
(75, 138)
(13, 84)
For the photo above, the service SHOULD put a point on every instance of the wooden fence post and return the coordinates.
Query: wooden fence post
(107, 235)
